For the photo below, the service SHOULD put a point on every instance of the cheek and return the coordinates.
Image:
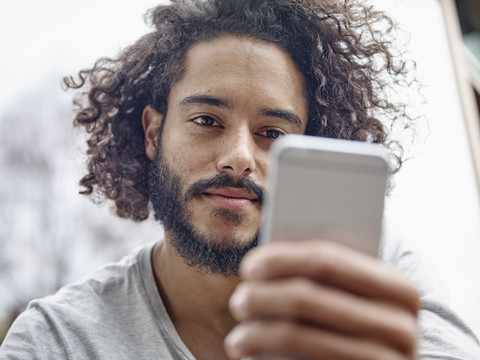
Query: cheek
(187, 159)
(265, 166)
(266, 162)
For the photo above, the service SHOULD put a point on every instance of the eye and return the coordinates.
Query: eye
(205, 120)
(272, 133)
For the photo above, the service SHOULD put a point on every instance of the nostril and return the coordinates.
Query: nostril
(237, 154)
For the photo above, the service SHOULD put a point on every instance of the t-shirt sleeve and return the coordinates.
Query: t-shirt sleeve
(33, 336)
(443, 334)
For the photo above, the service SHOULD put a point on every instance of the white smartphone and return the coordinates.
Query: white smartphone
(324, 188)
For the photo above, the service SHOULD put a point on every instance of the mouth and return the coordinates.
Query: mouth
(231, 198)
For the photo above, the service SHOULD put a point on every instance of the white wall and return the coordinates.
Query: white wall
(436, 196)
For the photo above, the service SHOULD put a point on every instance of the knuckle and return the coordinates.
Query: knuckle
(407, 325)
(322, 260)
(286, 335)
(302, 300)
(405, 332)
(410, 333)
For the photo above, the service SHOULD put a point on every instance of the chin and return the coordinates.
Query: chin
(229, 239)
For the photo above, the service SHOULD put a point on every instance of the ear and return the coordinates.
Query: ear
(151, 121)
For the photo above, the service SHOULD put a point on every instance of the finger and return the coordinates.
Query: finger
(288, 339)
(301, 300)
(334, 264)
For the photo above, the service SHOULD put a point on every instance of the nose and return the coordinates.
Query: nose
(237, 154)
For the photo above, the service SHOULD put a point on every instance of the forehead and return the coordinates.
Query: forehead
(242, 53)
(242, 66)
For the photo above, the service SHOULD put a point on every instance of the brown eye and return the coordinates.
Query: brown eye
(273, 134)
(206, 121)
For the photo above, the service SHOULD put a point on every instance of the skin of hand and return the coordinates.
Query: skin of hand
(321, 300)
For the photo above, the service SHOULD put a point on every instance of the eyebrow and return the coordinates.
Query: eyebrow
(290, 116)
(206, 100)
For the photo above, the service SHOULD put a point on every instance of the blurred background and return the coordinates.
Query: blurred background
(50, 235)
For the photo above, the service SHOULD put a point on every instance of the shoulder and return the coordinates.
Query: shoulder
(444, 335)
(32, 336)
(105, 284)
(82, 313)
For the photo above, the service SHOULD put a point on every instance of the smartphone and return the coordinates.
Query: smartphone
(322, 188)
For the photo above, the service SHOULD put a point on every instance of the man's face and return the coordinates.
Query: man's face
(236, 96)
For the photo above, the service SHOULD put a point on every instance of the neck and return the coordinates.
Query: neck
(190, 295)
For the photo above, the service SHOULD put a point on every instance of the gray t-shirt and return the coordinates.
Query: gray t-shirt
(117, 313)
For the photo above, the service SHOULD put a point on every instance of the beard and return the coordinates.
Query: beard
(204, 252)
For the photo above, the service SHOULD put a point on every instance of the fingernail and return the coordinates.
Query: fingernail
(233, 343)
(238, 302)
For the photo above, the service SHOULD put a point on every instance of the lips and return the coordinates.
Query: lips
(231, 192)
(231, 198)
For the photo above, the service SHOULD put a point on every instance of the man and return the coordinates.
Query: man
(183, 120)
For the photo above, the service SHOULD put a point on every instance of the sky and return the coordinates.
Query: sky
(38, 37)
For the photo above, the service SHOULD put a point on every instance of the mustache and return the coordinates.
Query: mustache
(224, 180)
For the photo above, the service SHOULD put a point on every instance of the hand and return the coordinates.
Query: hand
(321, 300)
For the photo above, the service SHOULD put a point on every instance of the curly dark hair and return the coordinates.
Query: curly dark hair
(342, 47)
